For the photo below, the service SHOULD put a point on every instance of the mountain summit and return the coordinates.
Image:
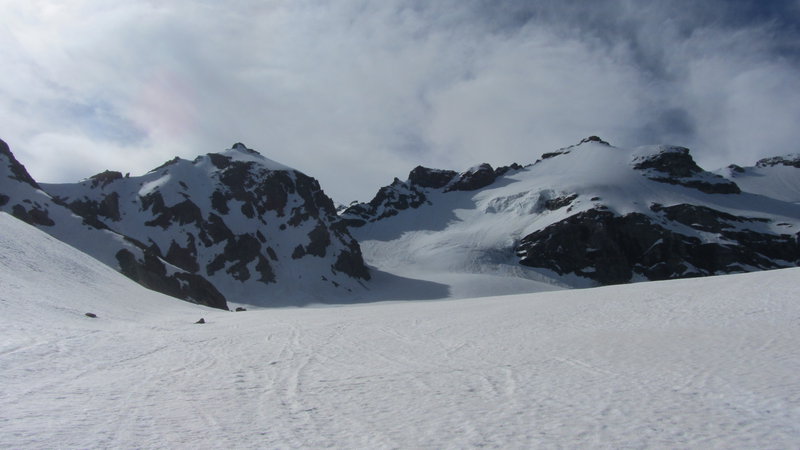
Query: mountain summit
(235, 226)
(583, 215)
(262, 232)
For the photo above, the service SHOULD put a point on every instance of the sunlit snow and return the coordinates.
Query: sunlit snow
(697, 363)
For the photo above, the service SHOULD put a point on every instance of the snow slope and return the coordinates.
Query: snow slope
(700, 363)
(771, 177)
(47, 282)
(23, 197)
(484, 231)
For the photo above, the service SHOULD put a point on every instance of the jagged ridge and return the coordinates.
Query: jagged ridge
(590, 212)
(255, 228)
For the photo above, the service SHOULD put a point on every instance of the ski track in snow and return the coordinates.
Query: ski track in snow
(689, 364)
(519, 371)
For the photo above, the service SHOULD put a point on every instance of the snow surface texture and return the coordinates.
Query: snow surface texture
(701, 363)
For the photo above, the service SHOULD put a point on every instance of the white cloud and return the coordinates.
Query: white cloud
(355, 93)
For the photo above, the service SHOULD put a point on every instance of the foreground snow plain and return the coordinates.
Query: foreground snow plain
(693, 363)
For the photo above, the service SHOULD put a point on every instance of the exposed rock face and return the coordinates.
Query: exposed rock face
(14, 170)
(610, 249)
(593, 139)
(566, 150)
(24, 199)
(249, 225)
(674, 165)
(414, 192)
(388, 202)
(104, 178)
(789, 160)
(592, 213)
(502, 170)
(152, 273)
(430, 178)
(473, 179)
(736, 169)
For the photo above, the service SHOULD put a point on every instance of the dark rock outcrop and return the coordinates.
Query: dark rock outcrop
(253, 219)
(388, 202)
(33, 214)
(152, 274)
(675, 162)
(103, 178)
(674, 165)
(502, 170)
(611, 249)
(789, 160)
(566, 150)
(430, 178)
(473, 179)
(91, 211)
(559, 202)
(736, 169)
(413, 193)
(16, 170)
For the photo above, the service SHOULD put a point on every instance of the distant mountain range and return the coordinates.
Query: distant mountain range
(587, 214)
(234, 226)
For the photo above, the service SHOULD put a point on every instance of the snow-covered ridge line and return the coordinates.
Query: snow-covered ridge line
(587, 214)
(263, 233)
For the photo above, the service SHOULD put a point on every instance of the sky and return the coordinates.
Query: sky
(355, 93)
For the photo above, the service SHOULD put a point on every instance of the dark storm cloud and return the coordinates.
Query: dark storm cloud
(356, 92)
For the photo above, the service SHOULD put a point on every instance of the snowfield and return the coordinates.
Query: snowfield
(696, 363)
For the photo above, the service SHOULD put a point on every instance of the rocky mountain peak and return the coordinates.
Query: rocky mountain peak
(670, 160)
(595, 139)
(675, 165)
(414, 192)
(791, 160)
(474, 178)
(16, 170)
(250, 225)
(239, 147)
(430, 178)
(105, 177)
(566, 150)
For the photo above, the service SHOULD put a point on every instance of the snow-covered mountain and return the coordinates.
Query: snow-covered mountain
(261, 232)
(698, 363)
(584, 215)
(680, 363)
(777, 177)
(22, 196)
(235, 225)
